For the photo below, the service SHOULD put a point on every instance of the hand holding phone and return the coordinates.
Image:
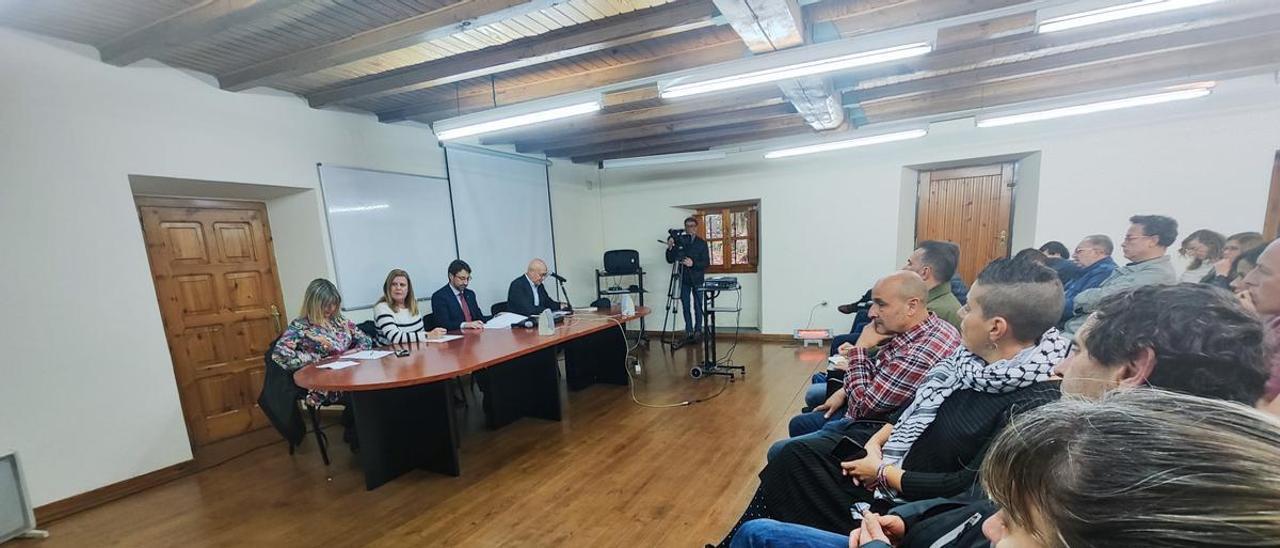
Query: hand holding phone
(848, 450)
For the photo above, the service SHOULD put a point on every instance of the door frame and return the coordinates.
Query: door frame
(1271, 217)
(216, 452)
(1014, 183)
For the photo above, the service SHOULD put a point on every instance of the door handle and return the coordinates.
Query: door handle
(275, 318)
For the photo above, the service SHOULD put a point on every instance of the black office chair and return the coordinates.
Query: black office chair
(369, 328)
(498, 308)
(429, 321)
(279, 402)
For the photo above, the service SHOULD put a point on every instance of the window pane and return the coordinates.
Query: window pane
(717, 253)
(740, 226)
(715, 226)
(740, 255)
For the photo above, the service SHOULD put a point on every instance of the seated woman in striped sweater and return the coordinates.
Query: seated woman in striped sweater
(396, 313)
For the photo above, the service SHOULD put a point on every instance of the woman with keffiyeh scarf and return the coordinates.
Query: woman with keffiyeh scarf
(935, 447)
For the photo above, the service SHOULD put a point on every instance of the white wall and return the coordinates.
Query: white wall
(832, 223)
(87, 393)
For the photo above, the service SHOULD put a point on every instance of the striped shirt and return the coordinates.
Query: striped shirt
(880, 384)
(399, 326)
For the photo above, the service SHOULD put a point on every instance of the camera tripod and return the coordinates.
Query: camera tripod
(673, 306)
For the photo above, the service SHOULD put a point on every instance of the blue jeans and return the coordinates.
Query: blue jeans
(767, 533)
(816, 394)
(688, 294)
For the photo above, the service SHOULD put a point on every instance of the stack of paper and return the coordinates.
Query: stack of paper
(444, 338)
(368, 355)
(337, 365)
(504, 320)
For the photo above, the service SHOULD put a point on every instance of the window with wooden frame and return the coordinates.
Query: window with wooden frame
(732, 235)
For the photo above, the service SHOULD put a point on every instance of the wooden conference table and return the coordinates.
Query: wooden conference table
(403, 413)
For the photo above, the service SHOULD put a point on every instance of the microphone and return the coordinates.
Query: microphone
(558, 277)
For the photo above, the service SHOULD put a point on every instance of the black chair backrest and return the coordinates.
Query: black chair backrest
(369, 328)
(429, 322)
(498, 308)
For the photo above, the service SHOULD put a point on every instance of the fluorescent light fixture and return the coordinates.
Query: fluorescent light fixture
(1115, 13)
(851, 143)
(664, 159)
(517, 121)
(796, 70)
(1103, 106)
(359, 208)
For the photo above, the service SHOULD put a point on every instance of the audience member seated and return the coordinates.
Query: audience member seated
(1262, 294)
(888, 361)
(1093, 255)
(936, 262)
(320, 331)
(1145, 245)
(1236, 244)
(455, 306)
(1243, 265)
(1034, 255)
(396, 313)
(1070, 474)
(1137, 339)
(527, 296)
(958, 287)
(934, 449)
(1059, 259)
(1203, 248)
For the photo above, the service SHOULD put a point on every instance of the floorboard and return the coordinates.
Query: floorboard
(613, 473)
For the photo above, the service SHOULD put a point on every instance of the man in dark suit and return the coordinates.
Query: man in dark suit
(447, 303)
(527, 296)
(691, 252)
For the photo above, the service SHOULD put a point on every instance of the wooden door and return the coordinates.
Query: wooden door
(970, 206)
(215, 276)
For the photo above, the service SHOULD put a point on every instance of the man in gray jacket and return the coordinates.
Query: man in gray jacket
(1145, 246)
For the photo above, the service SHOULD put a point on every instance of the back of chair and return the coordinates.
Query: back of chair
(429, 322)
(369, 328)
(279, 398)
(498, 308)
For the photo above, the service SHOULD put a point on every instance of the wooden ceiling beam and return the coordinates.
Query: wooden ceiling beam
(765, 124)
(857, 17)
(665, 111)
(766, 26)
(654, 130)
(451, 19)
(1227, 60)
(181, 29)
(746, 136)
(510, 93)
(641, 25)
(1056, 56)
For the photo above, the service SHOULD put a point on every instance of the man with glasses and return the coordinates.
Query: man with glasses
(454, 306)
(1145, 245)
(1093, 257)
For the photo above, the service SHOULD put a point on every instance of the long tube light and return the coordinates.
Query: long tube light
(664, 159)
(851, 143)
(1115, 13)
(1115, 104)
(796, 70)
(517, 121)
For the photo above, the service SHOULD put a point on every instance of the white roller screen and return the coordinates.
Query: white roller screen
(502, 208)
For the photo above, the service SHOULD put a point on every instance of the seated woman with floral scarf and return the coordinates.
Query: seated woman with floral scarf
(936, 446)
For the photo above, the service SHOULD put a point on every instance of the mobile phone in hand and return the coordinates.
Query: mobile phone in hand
(847, 450)
(402, 352)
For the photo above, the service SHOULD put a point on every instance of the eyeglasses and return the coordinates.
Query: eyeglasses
(462, 278)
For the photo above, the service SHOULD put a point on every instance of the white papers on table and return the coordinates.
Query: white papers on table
(585, 309)
(337, 365)
(560, 313)
(444, 338)
(368, 355)
(504, 320)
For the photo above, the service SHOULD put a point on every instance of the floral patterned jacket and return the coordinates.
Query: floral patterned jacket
(304, 342)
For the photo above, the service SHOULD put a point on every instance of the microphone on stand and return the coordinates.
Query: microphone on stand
(558, 277)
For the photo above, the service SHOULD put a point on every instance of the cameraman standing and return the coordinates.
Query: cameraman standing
(692, 254)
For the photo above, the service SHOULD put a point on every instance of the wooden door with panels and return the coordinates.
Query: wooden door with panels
(215, 275)
(970, 206)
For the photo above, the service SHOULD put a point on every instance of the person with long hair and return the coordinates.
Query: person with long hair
(1203, 248)
(1222, 273)
(396, 313)
(320, 331)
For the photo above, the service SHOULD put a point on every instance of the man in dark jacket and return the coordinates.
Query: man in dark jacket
(690, 251)
(527, 296)
(1093, 254)
(447, 303)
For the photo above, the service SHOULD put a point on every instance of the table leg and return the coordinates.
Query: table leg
(405, 428)
(528, 386)
(599, 357)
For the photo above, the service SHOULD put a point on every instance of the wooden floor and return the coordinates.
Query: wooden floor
(612, 473)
